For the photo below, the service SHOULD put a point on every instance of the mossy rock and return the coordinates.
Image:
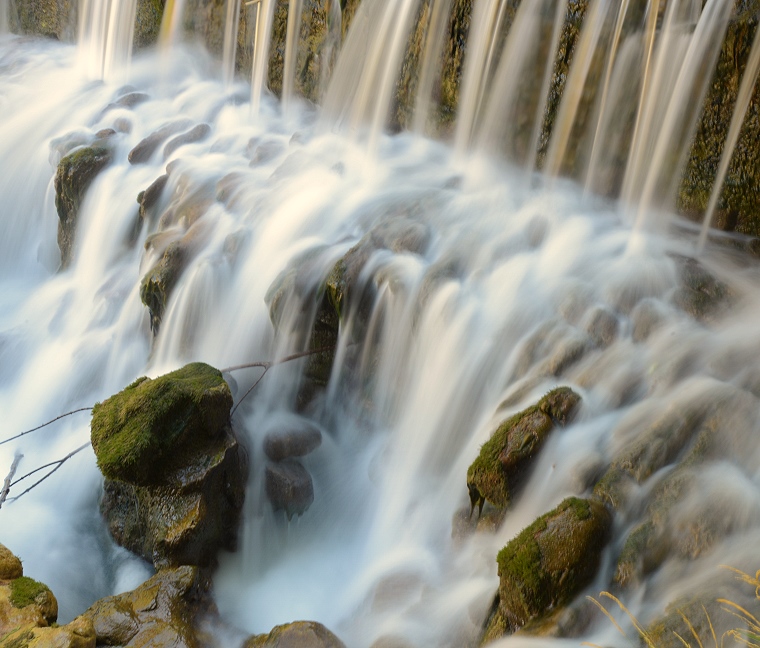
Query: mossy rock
(73, 177)
(299, 634)
(159, 283)
(701, 294)
(504, 459)
(27, 591)
(49, 18)
(152, 424)
(552, 560)
(10, 565)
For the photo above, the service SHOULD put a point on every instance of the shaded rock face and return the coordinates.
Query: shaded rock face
(297, 442)
(289, 487)
(159, 283)
(73, 177)
(548, 563)
(158, 613)
(28, 608)
(50, 18)
(175, 473)
(505, 458)
(299, 634)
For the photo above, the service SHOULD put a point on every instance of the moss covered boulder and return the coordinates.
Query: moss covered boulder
(505, 458)
(299, 634)
(161, 612)
(175, 472)
(73, 176)
(549, 563)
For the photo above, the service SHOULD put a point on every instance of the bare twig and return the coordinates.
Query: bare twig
(57, 463)
(7, 483)
(39, 427)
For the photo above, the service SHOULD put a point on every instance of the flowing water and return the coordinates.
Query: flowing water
(494, 305)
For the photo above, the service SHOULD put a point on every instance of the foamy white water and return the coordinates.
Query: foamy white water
(477, 324)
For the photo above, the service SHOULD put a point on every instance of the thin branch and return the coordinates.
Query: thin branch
(39, 427)
(272, 363)
(58, 463)
(7, 483)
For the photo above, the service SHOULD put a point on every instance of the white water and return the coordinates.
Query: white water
(472, 328)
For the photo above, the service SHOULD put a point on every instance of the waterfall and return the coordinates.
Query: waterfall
(494, 266)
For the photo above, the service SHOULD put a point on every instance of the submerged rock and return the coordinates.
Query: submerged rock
(149, 145)
(549, 563)
(505, 458)
(175, 473)
(73, 177)
(299, 634)
(157, 285)
(285, 444)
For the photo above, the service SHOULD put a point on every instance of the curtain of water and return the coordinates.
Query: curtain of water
(292, 38)
(740, 111)
(261, 37)
(229, 51)
(171, 23)
(106, 33)
(4, 16)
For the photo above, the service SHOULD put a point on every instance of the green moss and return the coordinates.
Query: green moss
(154, 422)
(504, 458)
(24, 591)
(19, 638)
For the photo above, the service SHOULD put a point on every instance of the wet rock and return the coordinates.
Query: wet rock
(157, 285)
(196, 134)
(701, 295)
(50, 18)
(505, 458)
(10, 565)
(549, 563)
(73, 176)
(175, 473)
(602, 327)
(148, 146)
(289, 487)
(701, 615)
(285, 444)
(149, 198)
(299, 634)
(158, 613)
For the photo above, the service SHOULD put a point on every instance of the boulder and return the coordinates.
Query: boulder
(73, 177)
(145, 149)
(298, 442)
(158, 613)
(149, 198)
(10, 565)
(701, 294)
(196, 134)
(159, 282)
(49, 18)
(549, 563)
(299, 634)
(504, 459)
(289, 487)
(175, 472)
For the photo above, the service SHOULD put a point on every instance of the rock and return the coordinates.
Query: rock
(700, 614)
(504, 459)
(148, 146)
(602, 327)
(175, 473)
(196, 134)
(157, 285)
(701, 295)
(149, 198)
(549, 562)
(10, 565)
(50, 18)
(299, 634)
(25, 591)
(77, 634)
(289, 487)
(73, 176)
(158, 613)
(285, 444)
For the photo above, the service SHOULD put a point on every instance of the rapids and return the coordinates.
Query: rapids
(478, 325)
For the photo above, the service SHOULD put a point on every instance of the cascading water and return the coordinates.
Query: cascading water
(486, 296)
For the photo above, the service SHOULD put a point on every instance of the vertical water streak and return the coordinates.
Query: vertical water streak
(229, 51)
(572, 94)
(513, 108)
(171, 23)
(475, 72)
(684, 108)
(597, 142)
(331, 45)
(431, 61)
(120, 36)
(292, 36)
(4, 11)
(737, 120)
(261, 39)
(661, 64)
(106, 33)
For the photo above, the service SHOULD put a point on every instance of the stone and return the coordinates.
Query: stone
(145, 149)
(175, 472)
(298, 442)
(10, 565)
(289, 487)
(74, 174)
(299, 634)
(504, 459)
(549, 563)
(149, 198)
(196, 134)
(159, 282)
(701, 295)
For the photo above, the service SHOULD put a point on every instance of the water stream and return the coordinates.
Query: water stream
(494, 305)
